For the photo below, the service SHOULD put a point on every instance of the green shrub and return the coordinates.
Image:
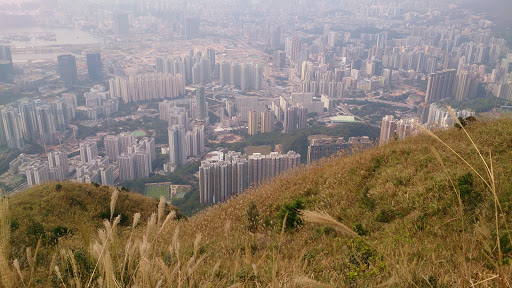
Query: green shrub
(253, 217)
(14, 225)
(462, 122)
(34, 232)
(469, 196)
(385, 216)
(106, 215)
(292, 213)
(359, 229)
(362, 255)
(60, 231)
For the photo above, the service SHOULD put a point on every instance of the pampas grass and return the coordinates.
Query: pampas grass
(323, 218)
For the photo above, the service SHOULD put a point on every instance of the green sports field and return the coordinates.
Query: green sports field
(155, 191)
(139, 133)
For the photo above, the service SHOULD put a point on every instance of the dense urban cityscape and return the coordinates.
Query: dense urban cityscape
(209, 98)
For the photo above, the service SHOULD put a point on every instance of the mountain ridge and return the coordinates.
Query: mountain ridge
(423, 218)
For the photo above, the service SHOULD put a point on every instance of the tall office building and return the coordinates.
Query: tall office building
(253, 122)
(195, 141)
(232, 175)
(290, 120)
(466, 86)
(3, 137)
(275, 38)
(280, 59)
(142, 163)
(121, 24)
(149, 144)
(170, 108)
(140, 155)
(441, 85)
(37, 173)
(34, 120)
(504, 91)
(71, 104)
(333, 39)
(257, 77)
(198, 134)
(126, 167)
(125, 139)
(177, 145)
(201, 108)
(107, 175)
(236, 71)
(178, 116)
(6, 67)
(5, 53)
(245, 77)
(111, 143)
(67, 68)
(175, 66)
(210, 54)
(13, 127)
(264, 167)
(189, 142)
(400, 129)
(205, 71)
(387, 129)
(267, 122)
(99, 170)
(58, 158)
(439, 116)
(88, 151)
(407, 127)
(219, 181)
(295, 118)
(225, 73)
(46, 124)
(293, 48)
(94, 67)
(147, 87)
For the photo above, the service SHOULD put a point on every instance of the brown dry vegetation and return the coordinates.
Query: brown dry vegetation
(420, 223)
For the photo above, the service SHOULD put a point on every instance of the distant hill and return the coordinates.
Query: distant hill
(408, 214)
(498, 11)
(76, 210)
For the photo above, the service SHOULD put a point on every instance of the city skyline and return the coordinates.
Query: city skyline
(136, 70)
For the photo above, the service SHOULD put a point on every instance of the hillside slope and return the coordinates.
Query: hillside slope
(399, 198)
(57, 209)
(413, 229)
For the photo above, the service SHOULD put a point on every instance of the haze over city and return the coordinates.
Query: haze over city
(197, 104)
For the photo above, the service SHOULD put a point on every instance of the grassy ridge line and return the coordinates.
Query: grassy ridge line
(398, 199)
(398, 195)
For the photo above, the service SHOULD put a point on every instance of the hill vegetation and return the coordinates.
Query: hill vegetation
(408, 214)
(69, 212)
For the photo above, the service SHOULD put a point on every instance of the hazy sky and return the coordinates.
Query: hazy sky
(17, 1)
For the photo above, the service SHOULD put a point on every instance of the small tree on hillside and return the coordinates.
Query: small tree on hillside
(253, 217)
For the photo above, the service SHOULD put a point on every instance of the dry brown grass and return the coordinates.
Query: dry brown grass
(394, 216)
